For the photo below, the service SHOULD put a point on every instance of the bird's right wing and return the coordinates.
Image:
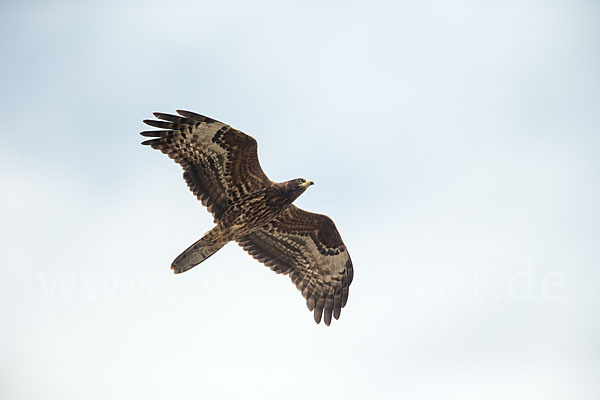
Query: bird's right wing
(308, 247)
(220, 163)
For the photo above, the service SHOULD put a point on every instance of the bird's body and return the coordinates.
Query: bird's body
(252, 211)
(221, 167)
(257, 208)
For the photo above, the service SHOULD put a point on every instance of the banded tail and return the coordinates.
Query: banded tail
(208, 245)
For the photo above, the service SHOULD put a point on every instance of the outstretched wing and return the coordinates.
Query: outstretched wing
(220, 163)
(309, 248)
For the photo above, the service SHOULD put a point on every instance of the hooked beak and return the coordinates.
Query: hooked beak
(307, 184)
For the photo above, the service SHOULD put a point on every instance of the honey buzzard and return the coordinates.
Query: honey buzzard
(221, 168)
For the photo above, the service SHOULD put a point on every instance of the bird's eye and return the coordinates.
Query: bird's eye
(300, 180)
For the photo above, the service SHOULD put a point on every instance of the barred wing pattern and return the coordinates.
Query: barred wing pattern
(308, 248)
(220, 163)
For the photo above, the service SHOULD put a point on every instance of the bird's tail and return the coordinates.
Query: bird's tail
(208, 245)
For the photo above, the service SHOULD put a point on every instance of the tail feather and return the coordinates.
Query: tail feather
(196, 253)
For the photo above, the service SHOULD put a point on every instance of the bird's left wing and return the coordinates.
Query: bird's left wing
(220, 163)
(308, 247)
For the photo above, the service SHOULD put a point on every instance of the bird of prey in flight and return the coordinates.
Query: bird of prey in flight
(221, 168)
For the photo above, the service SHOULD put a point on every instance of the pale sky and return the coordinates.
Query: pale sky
(454, 143)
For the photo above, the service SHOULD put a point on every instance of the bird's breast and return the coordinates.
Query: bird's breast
(252, 211)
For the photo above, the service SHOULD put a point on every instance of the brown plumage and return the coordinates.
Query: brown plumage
(221, 168)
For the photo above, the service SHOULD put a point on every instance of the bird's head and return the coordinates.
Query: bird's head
(296, 187)
(284, 193)
(299, 184)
